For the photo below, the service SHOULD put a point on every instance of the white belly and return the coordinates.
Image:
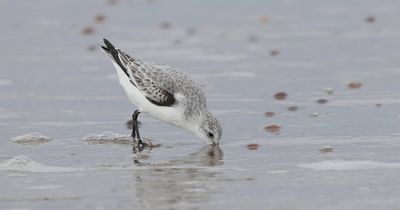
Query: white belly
(173, 115)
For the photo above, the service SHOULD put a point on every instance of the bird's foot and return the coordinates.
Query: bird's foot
(139, 145)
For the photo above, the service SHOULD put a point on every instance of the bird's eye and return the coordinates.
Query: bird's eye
(211, 135)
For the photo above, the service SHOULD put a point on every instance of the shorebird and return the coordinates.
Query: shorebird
(166, 94)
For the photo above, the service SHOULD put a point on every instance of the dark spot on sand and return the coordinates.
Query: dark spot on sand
(99, 18)
(354, 85)
(274, 52)
(322, 101)
(269, 114)
(370, 19)
(252, 146)
(280, 96)
(92, 48)
(292, 108)
(263, 19)
(166, 25)
(273, 128)
(87, 31)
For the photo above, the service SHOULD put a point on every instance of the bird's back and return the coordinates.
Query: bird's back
(177, 83)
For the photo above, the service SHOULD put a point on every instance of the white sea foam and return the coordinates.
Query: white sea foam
(25, 164)
(350, 165)
(108, 137)
(31, 138)
(22, 163)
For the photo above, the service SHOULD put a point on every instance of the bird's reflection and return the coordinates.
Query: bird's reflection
(177, 184)
(207, 156)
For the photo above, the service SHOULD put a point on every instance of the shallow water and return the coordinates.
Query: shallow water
(338, 155)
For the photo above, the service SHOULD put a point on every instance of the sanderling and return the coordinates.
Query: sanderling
(166, 94)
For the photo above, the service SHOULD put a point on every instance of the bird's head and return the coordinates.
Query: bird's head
(209, 129)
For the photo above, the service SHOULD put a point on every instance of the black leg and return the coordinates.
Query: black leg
(133, 135)
(135, 129)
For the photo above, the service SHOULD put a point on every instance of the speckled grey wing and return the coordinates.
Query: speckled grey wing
(175, 81)
(142, 77)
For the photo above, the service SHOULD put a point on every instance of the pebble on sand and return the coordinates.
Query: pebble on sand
(322, 101)
(292, 108)
(252, 146)
(274, 52)
(269, 114)
(273, 128)
(280, 96)
(87, 31)
(354, 85)
(99, 18)
(370, 19)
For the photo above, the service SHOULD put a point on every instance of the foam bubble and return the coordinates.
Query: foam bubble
(26, 164)
(31, 139)
(108, 137)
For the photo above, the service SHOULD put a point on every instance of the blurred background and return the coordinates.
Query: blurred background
(307, 92)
